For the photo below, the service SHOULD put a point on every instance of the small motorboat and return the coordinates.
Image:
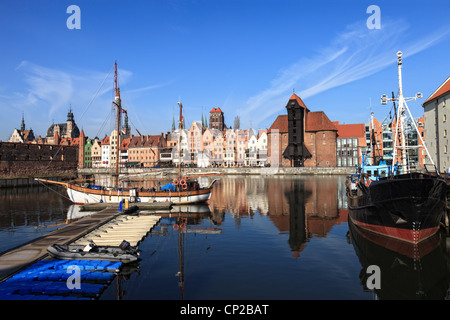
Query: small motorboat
(124, 252)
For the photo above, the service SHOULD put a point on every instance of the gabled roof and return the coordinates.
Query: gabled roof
(146, 141)
(280, 124)
(318, 121)
(105, 141)
(70, 141)
(443, 89)
(355, 130)
(315, 121)
(216, 110)
(124, 143)
(300, 101)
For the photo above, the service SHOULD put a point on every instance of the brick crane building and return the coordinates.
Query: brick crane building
(302, 137)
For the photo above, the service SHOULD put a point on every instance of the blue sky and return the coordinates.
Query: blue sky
(245, 57)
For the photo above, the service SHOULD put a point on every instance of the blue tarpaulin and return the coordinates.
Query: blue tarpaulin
(169, 186)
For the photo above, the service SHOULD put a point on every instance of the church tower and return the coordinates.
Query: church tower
(69, 123)
(216, 119)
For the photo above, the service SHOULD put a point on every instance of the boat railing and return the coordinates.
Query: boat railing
(359, 200)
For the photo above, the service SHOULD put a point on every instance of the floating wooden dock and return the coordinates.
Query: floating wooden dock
(130, 228)
(141, 205)
(124, 227)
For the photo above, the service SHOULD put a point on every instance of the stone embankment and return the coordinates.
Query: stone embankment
(221, 170)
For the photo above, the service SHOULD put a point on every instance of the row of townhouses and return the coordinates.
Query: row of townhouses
(200, 146)
(299, 138)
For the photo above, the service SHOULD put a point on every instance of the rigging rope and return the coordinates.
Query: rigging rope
(62, 195)
(95, 95)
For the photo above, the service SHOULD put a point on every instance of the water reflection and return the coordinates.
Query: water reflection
(184, 222)
(408, 271)
(302, 207)
(35, 206)
(291, 212)
(27, 213)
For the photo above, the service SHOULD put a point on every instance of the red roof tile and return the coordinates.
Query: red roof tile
(318, 121)
(350, 130)
(280, 124)
(216, 110)
(315, 121)
(300, 101)
(444, 88)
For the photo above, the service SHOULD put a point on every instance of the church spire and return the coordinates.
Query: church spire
(22, 125)
(70, 114)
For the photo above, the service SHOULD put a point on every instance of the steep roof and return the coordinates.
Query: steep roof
(300, 101)
(105, 141)
(124, 143)
(146, 141)
(216, 110)
(443, 88)
(318, 121)
(280, 124)
(355, 130)
(315, 121)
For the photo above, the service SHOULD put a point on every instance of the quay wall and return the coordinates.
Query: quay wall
(23, 160)
(92, 172)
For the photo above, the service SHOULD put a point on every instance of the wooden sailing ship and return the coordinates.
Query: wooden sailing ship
(182, 190)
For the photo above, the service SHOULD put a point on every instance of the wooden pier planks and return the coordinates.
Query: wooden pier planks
(130, 228)
(16, 259)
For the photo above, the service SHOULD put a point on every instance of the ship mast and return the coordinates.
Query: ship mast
(401, 113)
(179, 139)
(117, 103)
(400, 116)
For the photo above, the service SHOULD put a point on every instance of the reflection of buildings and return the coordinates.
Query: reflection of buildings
(302, 207)
(25, 207)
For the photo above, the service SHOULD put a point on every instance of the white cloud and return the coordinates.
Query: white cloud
(48, 86)
(355, 53)
(48, 93)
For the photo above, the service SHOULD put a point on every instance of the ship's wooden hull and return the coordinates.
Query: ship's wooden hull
(82, 195)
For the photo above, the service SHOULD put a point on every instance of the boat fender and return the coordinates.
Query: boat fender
(175, 182)
(88, 247)
(183, 182)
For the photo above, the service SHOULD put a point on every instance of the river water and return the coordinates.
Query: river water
(259, 237)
